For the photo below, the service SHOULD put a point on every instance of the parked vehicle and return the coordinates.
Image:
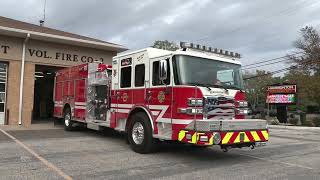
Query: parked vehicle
(193, 95)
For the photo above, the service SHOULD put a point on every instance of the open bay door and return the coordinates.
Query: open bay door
(3, 87)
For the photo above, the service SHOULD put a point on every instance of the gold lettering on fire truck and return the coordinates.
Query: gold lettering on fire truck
(161, 96)
(125, 97)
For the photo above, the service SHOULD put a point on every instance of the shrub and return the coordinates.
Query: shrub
(307, 123)
(316, 122)
(275, 121)
(293, 120)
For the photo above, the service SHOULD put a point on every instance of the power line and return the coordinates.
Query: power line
(268, 60)
(282, 70)
(270, 73)
(270, 63)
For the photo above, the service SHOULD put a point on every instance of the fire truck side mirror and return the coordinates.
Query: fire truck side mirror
(163, 69)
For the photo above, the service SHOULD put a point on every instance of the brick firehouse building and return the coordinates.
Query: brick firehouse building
(29, 56)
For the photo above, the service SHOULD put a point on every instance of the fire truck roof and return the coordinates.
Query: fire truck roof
(154, 52)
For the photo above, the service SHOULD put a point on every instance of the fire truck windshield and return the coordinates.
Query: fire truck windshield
(189, 70)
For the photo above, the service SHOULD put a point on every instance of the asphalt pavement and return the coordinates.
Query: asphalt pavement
(52, 153)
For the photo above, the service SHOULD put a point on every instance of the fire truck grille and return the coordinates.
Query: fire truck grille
(219, 108)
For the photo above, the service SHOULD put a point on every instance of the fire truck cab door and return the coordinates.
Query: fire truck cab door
(130, 81)
(141, 80)
(160, 93)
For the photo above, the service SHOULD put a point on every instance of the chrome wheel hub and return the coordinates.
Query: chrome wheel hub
(138, 133)
(67, 120)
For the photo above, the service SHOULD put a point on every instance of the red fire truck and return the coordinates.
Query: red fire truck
(193, 95)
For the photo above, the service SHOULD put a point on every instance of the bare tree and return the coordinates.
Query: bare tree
(308, 45)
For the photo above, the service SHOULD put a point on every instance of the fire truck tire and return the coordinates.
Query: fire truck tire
(140, 134)
(68, 123)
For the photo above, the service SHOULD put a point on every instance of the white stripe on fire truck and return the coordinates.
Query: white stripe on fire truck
(122, 105)
(58, 105)
(123, 111)
(80, 107)
(80, 103)
(126, 111)
(159, 107)
(58, 102)
(175, 121)
(163, 109)
(155, 113)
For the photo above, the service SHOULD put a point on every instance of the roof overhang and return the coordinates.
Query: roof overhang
(7, 31)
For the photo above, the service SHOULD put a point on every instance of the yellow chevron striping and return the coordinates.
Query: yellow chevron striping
(255, 136)
(211, 140)
(227, 138)
(265, 134)
(194, 138)
(182, 134)
(237, 140)
(246, 139)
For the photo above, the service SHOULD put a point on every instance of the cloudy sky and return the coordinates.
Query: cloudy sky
(259, 30)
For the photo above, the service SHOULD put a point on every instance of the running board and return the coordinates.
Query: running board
(97, 125)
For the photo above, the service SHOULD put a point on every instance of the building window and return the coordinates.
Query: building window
(125, 77)
(155, 74)
(139, 75)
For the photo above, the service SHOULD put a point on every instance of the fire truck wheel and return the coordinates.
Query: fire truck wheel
(140, 134)
(68, 124)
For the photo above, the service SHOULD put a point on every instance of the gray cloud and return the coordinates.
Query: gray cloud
(259, 30)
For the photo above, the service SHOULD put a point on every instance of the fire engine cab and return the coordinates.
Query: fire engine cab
(193, 95)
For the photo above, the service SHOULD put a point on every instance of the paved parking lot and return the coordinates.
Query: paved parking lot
(291, 154)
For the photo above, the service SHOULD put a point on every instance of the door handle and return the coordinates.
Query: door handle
(148, 95)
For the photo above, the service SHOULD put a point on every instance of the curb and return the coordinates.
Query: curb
(293, 127)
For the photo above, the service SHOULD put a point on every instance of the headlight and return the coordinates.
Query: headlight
(242, 104)
(195, 102)
(241, 111)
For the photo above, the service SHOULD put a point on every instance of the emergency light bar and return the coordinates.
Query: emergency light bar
(185, 45)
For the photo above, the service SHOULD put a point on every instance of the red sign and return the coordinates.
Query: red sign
(286, 89)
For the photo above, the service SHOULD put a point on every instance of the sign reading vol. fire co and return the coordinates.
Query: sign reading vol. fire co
(60, 56)
(4, 49)
(51, 53)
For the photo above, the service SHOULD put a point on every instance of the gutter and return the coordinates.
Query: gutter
(35, 34)
(22, 77)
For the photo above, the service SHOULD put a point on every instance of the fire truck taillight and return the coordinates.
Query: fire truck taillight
(191, 111)
(195, 102)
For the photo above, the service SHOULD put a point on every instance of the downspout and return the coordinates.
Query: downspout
(22, 77)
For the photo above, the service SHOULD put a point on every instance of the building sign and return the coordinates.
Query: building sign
(4, 49)
(63, 56)
(126, 62)
(282, 89)
(281, 94)
(38, 52)
(281, 98)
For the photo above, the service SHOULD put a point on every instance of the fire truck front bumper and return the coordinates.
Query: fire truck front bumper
(226, 133)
